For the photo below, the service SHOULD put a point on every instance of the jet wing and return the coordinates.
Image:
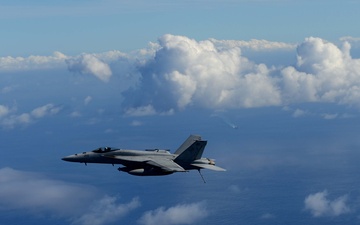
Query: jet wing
(164, 164)
(208, 166)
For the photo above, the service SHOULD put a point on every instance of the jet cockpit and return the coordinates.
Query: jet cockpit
(105, 149)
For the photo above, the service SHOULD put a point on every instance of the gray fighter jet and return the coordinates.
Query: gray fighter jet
(152, 162)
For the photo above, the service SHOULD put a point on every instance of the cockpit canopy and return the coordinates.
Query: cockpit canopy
(105, 149)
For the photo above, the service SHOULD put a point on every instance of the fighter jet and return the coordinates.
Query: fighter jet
(152, 162)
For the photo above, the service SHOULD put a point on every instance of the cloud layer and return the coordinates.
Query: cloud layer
(179, 72)
(81, 204)
(33, 192)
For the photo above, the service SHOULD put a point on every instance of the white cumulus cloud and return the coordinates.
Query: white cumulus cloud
(179, 72)
(185, 72)
(179, 214)
(319, 205)
(324, 73)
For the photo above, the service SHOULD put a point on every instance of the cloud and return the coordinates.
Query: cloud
(37, 194)
(147, 110)
(99, 64)
(328, 116)
(32, 192)
(254, 44)
(107, 210)
(32, 62)
(7, 89)
(315, 55)
(136, 123)
(9, 118)
(319, 205)
(13, 120)
(299, 113)
(94, 64)
(179, 214)
(48, 109)
(141, 111)
(267, 216)
(87, 100)
(234, 189)
(90, 64)
(324, 73)
(75, 114)
(184, 73)
(214, 74)
(178, 73)
(4, 110)
(353, 40)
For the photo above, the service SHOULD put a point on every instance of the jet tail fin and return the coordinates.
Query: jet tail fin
(187, 143)
(191, 149)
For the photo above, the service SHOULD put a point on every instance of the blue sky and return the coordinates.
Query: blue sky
(95, 26)
(140, 74)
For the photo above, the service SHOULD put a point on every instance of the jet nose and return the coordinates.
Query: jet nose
(65, 158)
(70, 158)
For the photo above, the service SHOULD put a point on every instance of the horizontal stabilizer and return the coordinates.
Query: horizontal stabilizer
(208, 166)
